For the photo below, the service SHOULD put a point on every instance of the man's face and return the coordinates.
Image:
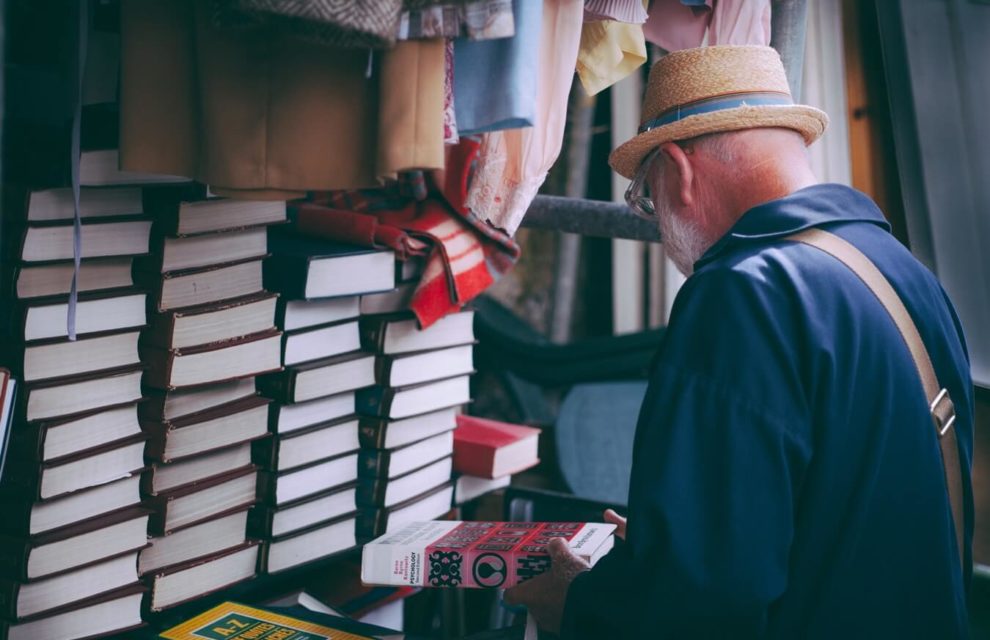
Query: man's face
(681, 236)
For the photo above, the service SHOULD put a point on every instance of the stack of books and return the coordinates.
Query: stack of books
(73, 524)
(311, 460)
(487, 453)
(212, 330)
(422, 377)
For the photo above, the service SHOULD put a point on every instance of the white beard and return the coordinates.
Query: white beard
(682, 240)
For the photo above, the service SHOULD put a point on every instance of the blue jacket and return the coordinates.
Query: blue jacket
(786, 478)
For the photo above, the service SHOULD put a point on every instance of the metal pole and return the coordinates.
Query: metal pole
(788, 25)
(589, 218)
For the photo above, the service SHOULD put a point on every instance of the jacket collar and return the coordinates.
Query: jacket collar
(815, 206)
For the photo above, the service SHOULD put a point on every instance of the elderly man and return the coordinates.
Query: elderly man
(789, 478)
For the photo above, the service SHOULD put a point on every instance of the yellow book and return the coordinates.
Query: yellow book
(232, 621)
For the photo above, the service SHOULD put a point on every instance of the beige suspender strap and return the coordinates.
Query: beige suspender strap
(940, 405)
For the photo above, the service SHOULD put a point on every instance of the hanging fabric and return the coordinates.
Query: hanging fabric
(609, 52)
(514, 163)
(630, 11)
(495, 82)
(466, 255)
(259, 113)
(470, 19)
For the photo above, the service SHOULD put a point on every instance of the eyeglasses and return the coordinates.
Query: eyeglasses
(637, 193)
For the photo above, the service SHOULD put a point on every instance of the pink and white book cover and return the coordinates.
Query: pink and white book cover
(478, 555)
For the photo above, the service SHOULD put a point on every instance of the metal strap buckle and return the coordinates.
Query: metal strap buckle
(943, 412)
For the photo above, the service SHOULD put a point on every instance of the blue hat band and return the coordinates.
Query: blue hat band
(712, 105)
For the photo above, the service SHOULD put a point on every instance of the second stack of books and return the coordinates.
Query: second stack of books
(422, 378)
(211, 331)
(311, 460)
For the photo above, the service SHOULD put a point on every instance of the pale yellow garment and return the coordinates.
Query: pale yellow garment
(609, 52)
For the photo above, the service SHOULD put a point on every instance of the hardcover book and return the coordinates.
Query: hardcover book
(320, 378)
(381, 433)
(176, 403)
(195, 287)
(492, 449)
(391, 463)
(194, 252)
(181, 583)
(268, 521)
(185, 211)
(100, 239)
(23, 516)
(318, 343)
(309, 445)
(425, 366)
(485, 555)
(83, 544)
(286, 418)
(55, 279)
(375, 521)
(82, 394)
(216, 428)
(388, 492)
(310, 544)
(96, 312)
(167, 476)
(102, 616)
(212, 323)
(401, 333)
(62, 358)
(405, 402)
(198, 541)
(303, 267)
(301, 314)
(210, 363)
(46, 205)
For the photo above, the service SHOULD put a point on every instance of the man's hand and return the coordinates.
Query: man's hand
(546, 594)
(612, 517)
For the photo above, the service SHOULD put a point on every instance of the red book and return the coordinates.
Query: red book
(479, 555)
(491, 449)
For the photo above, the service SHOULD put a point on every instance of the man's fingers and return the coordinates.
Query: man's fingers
(559, 550)
(611, 517)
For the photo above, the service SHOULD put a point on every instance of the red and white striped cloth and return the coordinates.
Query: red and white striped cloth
(466, 255)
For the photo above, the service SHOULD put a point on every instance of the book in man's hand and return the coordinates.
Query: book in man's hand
(486, 555)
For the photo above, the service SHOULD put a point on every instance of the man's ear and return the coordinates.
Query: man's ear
(683, 173)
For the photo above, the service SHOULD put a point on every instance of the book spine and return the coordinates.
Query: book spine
(371, 492)
(372, 334)
(264, 453)
(370, 524)
(260, 520)
(372, 433)
(374, 401)
(287, 275)
(8, 598)
(14, 554)
(28, 440)
(155, 446)
(280, 387)
(373, 463)
(383, 370)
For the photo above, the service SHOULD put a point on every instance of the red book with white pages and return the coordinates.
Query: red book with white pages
(492, 449)
(479, 555)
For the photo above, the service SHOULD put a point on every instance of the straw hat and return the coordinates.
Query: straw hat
(711, 89)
